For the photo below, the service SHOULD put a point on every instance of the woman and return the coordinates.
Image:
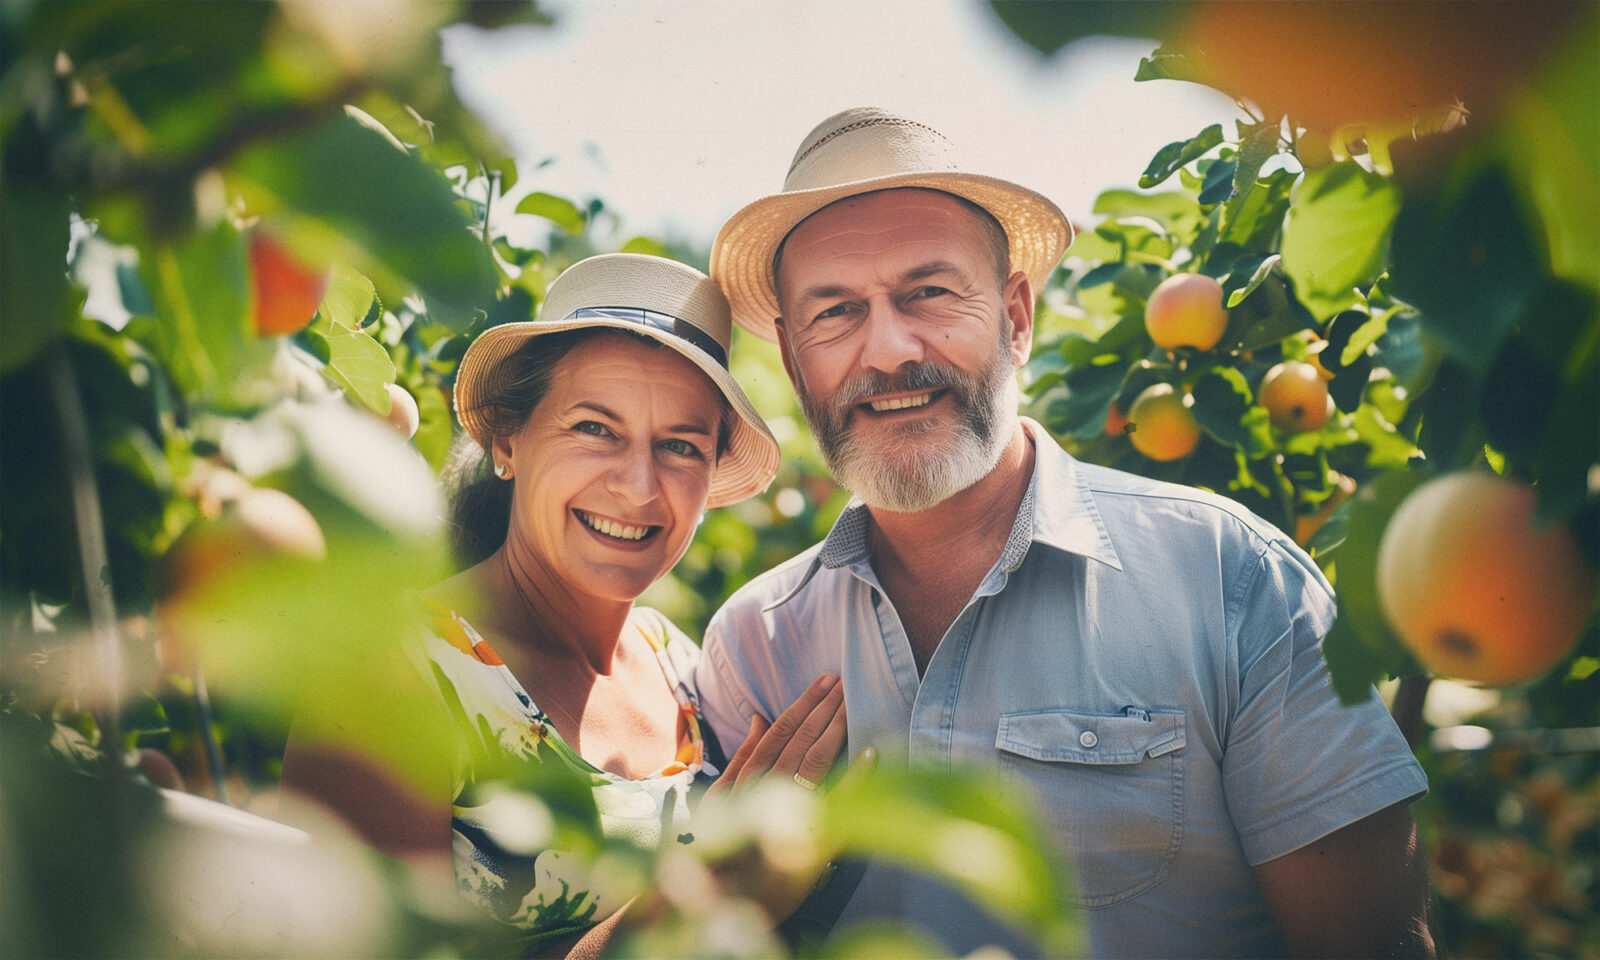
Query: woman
(609, 425)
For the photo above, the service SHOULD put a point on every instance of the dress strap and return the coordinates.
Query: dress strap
(691, 755)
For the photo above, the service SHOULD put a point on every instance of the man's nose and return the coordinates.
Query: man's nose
(892, 338)
(633, 478)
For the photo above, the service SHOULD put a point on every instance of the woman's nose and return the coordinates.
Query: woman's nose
(633, 478)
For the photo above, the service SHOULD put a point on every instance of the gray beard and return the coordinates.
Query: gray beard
(901, 478)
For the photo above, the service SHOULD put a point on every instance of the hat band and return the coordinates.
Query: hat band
(666, 322)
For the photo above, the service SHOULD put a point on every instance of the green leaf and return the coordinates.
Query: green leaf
(1175, 210)
(33, 269)
(1252, 220)
(1263, 266)
(1336, 234)
(1360, 649)
(1258, 143)
(1167, 63)
(1174, 155)
(1080, 410)
(1387, 448)
(348, 298)
(355, 361)
(1218, 183)
(1223, 408)
(1583, 668)
(559, 210)
(399, 211)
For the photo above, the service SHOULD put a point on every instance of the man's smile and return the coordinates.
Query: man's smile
(908, 401)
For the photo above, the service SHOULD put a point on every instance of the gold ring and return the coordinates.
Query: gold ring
(809, 785)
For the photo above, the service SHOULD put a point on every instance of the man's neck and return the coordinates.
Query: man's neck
(930, 562)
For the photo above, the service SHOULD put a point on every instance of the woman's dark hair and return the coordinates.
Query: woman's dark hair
(480, 502)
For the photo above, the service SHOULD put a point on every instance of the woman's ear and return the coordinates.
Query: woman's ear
(500, 457)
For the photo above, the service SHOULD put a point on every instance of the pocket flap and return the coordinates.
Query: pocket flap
(1065, 735)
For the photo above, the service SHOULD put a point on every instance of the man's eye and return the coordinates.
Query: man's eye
(930, 291)
(837, 310)
(592, 428)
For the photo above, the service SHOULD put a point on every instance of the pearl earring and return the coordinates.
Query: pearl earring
(502, 471)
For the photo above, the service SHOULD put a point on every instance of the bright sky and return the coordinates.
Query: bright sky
(678, 112)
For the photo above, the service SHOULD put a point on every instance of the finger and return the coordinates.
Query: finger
(819, 757)
(789, 721)
(860, 769)
(810, 731)
(730, 771)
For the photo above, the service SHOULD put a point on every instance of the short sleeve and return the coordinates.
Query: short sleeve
(725, 700)
(1297, 763)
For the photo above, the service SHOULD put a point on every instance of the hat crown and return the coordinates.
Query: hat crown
(864, 143)
(640, 282)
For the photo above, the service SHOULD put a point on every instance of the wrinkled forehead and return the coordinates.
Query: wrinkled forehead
(891, 219)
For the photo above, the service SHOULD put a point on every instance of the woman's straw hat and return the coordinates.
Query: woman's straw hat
(858, 151)
(654, 297)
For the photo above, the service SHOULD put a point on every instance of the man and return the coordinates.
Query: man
(1139, 660)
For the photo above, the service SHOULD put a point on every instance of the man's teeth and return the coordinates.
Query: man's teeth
(900, 403)
(613, 529)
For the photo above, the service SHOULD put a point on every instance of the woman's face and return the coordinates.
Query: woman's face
(613, 466)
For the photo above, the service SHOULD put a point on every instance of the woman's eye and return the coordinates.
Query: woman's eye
(592, 428)
(682, 448)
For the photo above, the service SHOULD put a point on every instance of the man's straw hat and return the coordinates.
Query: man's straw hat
(859, 151)
(654, 297)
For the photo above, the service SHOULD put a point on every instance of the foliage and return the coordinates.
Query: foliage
(149, 609)
(1436, 257)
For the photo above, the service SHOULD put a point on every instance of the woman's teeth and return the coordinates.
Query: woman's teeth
(613, 529)
(900, 403)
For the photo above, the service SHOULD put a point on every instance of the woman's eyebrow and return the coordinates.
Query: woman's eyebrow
(601, 409)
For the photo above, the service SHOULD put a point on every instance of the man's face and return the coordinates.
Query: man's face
(903, 344)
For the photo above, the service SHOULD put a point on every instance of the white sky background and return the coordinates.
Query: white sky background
(678, 112)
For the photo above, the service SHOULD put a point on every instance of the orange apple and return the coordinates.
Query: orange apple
(1296, 397)
(1185, 310)
(1306, 525)
(1160, 424)
(1474, 588)
(287, 291)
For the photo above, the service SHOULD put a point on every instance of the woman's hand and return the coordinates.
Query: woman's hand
(801, 744)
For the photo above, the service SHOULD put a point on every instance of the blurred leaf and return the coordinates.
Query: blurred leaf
(1360, 649)
(1467, 257)
(435, 431)
(401, 212)
(959, 829)
(143, 713)
(33, 269)
(1174, 155)
(1336, 234)
(646, 245)
(559, 210)
(1047, 27)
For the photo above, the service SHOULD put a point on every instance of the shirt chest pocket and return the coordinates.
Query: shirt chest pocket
(1110, 789)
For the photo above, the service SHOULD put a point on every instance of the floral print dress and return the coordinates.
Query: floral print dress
(502, 829)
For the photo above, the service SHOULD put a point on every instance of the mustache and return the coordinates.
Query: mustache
(912, 376)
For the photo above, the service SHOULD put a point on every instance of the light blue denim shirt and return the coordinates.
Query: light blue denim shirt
(1142, 666)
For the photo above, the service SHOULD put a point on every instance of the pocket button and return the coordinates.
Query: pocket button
(1088, 739)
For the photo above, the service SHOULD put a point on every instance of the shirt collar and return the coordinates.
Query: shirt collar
(1067, 519)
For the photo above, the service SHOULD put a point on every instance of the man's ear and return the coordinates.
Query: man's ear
(1017, 297)
(783, 351)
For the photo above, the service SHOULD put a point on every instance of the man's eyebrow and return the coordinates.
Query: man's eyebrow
(829, 291)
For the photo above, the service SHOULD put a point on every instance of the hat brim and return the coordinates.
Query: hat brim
(746, 468)
(741, 255)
